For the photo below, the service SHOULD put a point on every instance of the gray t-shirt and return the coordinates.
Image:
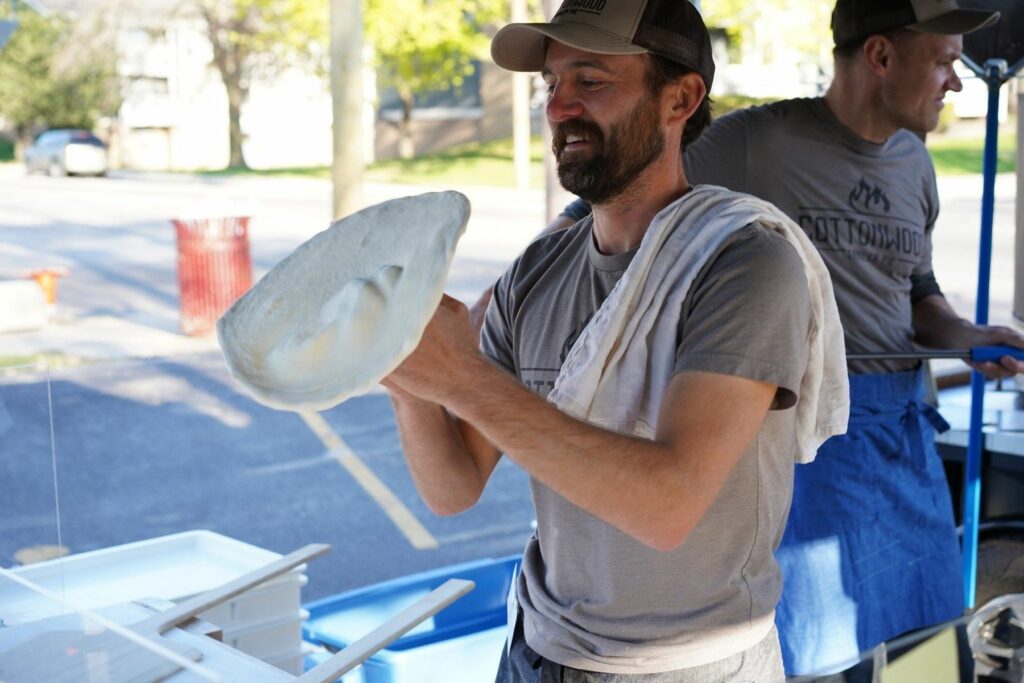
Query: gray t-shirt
(869, 209)
(593, 597)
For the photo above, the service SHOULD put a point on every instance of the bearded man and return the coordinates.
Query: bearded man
(657, 369)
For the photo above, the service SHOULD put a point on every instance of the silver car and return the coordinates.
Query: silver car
(67, 151)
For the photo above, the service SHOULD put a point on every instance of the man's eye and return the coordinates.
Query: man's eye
(589, 84)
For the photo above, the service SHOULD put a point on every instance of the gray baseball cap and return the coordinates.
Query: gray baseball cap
(672, 29)
(855, 20)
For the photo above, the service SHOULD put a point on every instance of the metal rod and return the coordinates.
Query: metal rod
(961, 354)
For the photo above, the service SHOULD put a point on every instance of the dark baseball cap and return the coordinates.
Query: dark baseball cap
(853, 21)
(672, 29)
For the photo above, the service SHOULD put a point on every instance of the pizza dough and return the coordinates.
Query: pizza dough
(347, 306)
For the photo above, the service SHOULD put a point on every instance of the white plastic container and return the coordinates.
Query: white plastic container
(291, 662)
(173, 567)
(267, 640)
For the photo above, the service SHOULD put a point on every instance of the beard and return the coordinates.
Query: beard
(632, 144)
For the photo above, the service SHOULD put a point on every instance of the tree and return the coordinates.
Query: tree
(423, 46)
(52, 76)
(799, 25)
(261, 37)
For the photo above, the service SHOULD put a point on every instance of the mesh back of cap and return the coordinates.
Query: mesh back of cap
(674, 29)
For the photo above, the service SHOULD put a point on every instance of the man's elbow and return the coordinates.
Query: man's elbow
(451, 505)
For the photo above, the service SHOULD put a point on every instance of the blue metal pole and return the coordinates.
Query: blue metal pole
(972, 480)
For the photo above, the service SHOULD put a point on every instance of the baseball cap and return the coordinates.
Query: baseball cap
(855, 20)
(672, 29)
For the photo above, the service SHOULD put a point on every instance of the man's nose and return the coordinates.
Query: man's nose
(953, 82)
(563, 104)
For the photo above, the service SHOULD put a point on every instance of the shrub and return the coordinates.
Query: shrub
(6, 149)
(723, 104)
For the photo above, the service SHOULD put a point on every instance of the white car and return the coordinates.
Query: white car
(67, 152)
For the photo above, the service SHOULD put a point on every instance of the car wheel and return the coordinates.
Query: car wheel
(56, 170)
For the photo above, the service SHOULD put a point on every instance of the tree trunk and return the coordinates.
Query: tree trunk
(236, 97)
(406, 146)
(347, 107)
(22, 141)
(230, 62)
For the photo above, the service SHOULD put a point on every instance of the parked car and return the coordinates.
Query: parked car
(67, 152)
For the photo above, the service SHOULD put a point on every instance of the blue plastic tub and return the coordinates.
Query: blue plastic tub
(461, 644)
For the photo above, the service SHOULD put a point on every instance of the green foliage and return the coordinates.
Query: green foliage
(427, 45)
(266, 35)
(51, 77)
(6, 149)
(802, 25)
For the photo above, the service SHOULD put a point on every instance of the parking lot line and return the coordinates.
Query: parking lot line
(418, 536)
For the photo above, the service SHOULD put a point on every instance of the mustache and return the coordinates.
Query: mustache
(573, 127)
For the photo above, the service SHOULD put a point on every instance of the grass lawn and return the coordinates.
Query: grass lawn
(489, 163)
(957, 156)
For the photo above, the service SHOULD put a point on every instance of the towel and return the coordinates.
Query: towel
(617, 372)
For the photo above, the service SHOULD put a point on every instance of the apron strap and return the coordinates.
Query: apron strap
(911, 420)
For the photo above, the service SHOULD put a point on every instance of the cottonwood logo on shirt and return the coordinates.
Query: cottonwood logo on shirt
(866, 198)
(866, 228)
(588, 6)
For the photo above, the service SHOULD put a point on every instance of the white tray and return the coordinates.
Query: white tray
(171, 567)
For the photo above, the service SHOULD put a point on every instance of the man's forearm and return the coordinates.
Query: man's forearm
(938, 326)
(448, 474)
(655, 491)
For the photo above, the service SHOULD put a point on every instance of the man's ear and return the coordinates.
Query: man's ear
(685, 95)
(878, 53)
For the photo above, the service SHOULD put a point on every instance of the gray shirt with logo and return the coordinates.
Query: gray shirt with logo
(593, 597)
(869, 209)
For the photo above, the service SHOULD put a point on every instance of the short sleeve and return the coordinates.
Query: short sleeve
(719, 155)
(496, 333)
(931, 197)
(749, 315)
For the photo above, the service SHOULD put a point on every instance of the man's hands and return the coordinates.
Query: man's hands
(937, 325)
(993, 335)
(444, 358)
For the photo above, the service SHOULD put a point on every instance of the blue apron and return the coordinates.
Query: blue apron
(870, 551)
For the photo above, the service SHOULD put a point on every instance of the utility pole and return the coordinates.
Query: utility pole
(555, 196)
(347, 99)
(521, 112)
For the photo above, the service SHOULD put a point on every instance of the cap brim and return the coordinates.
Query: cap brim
(520, 47)
(957, 22)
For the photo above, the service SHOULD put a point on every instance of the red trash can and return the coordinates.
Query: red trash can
(214, 269)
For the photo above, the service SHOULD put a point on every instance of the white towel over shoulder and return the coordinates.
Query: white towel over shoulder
(616, 373)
